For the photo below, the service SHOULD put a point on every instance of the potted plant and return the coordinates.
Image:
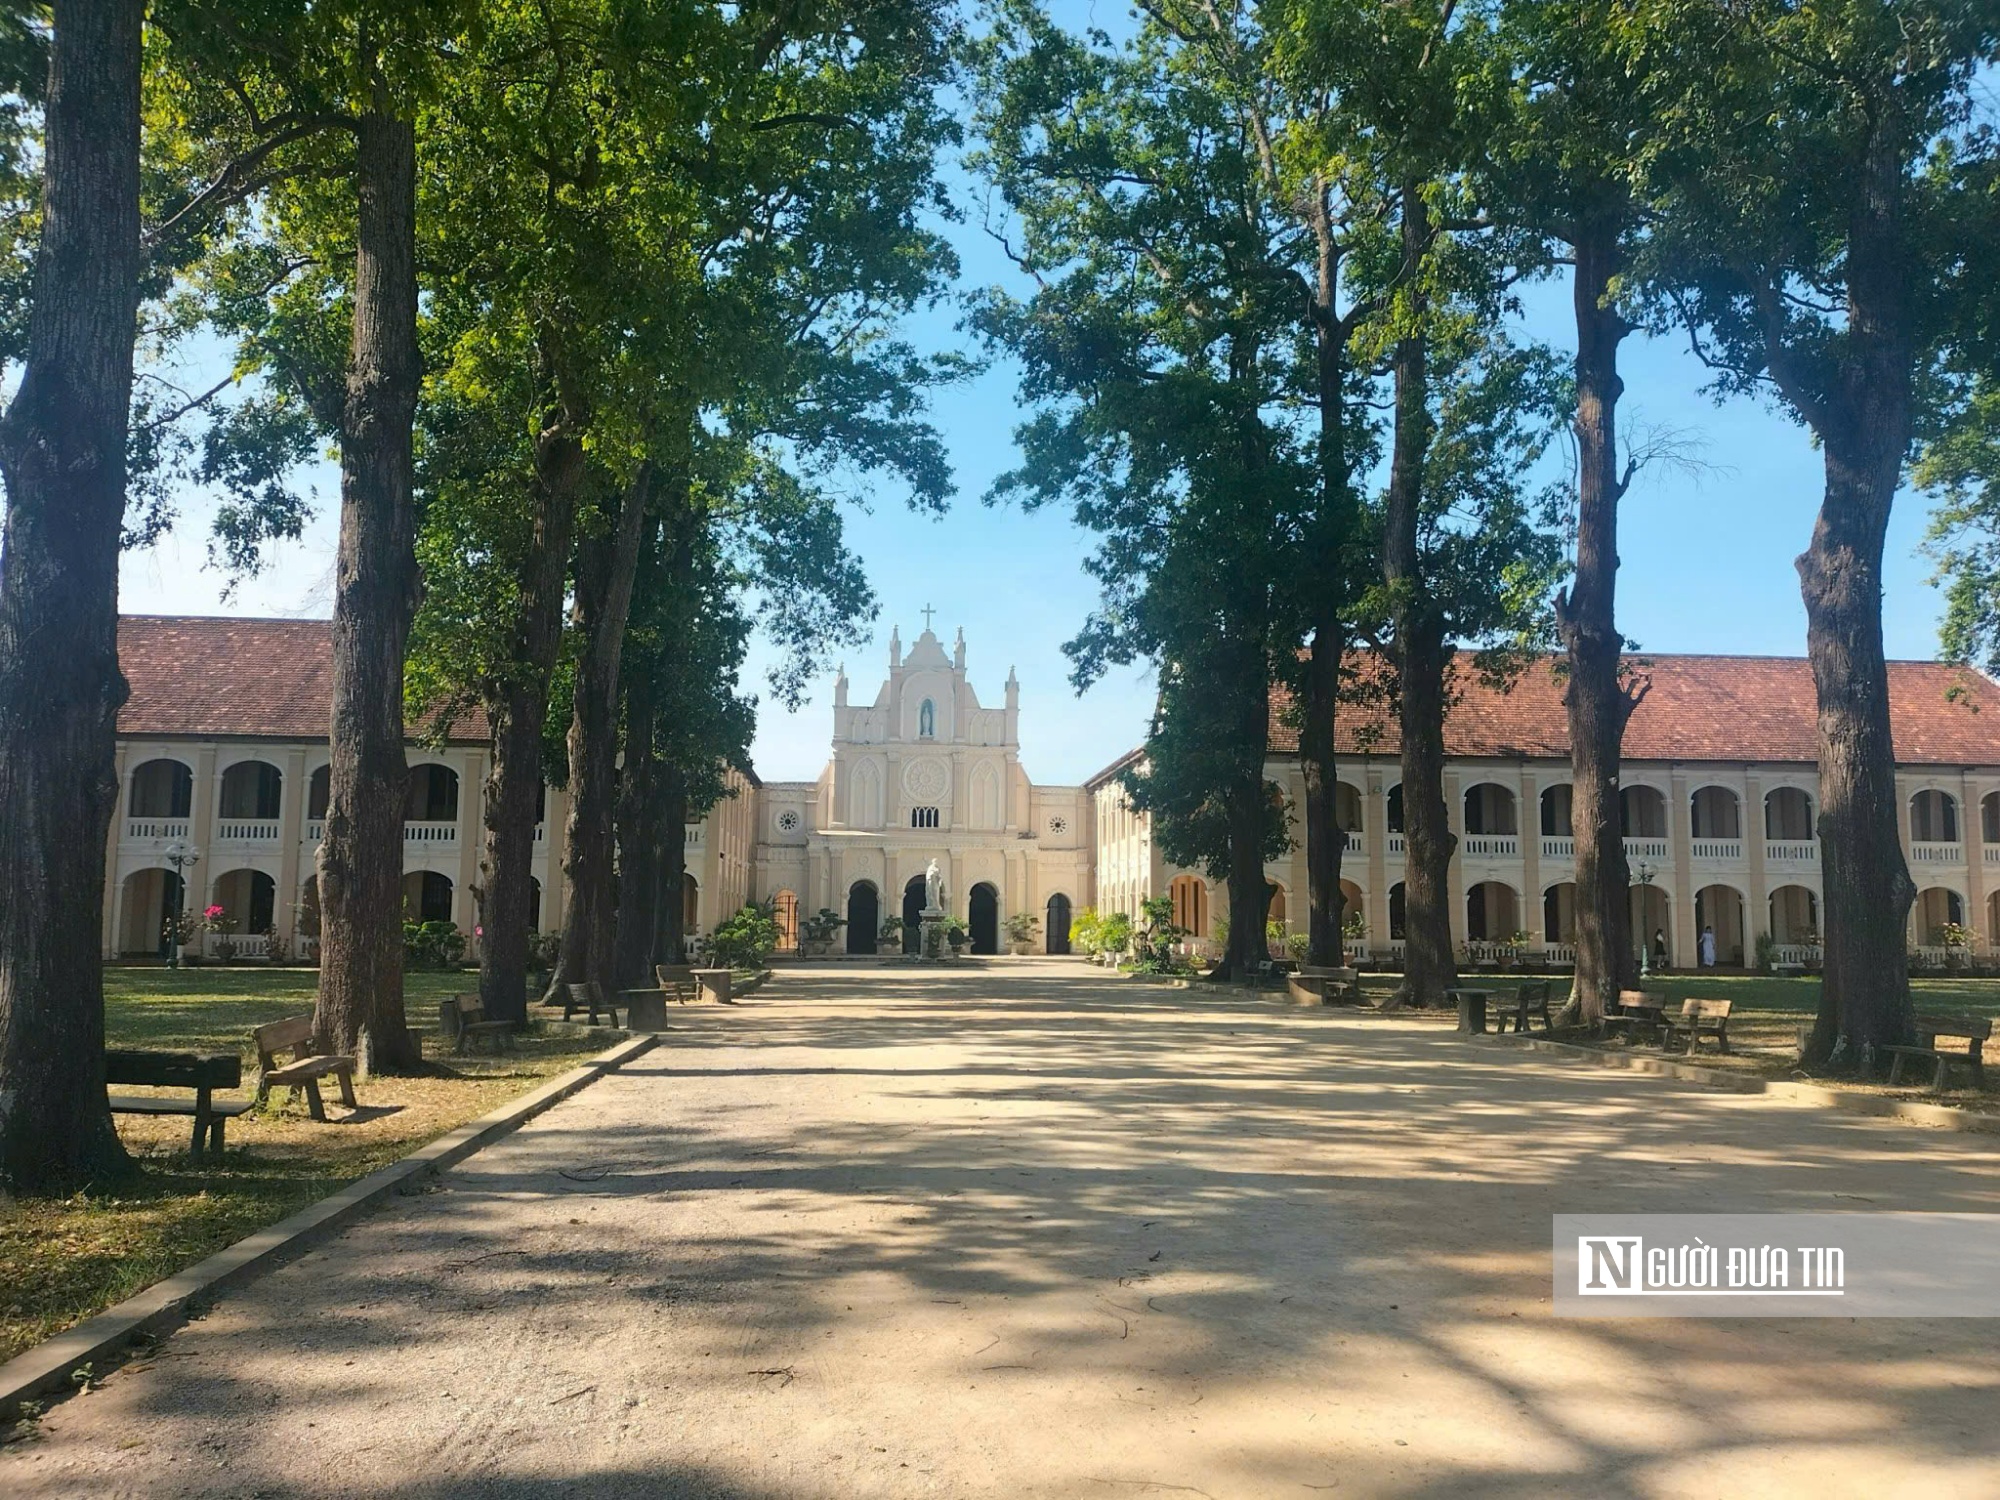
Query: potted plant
(1957, 939)
(1114, 933)
(1022, 929)
(890, 938)
(214, 919)
(1513, 947)
(818, 932)
(957, 934)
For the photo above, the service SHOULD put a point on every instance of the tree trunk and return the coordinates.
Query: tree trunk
(1420, 657)
(639, 848)
(1430, 962)
(1326, 840)
(670, 943)
(517, 705)
(1249, 891)
(604, 571)
(1865, 994)
(62, 451)
(360, 1007)
(1598, 699)
(1333, 536)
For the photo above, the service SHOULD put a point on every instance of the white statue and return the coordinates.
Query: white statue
(933, 887)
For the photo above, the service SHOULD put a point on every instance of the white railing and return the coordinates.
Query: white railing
(1559, 953)
(1792, 852)
(247, 831)
(1795, 953)
(1491, 953)
(1647, 849)
(430, 833)
(315, 830)
(239, 944)
(1558, 848)
(1936, 956)
(1933, 853)
(156, 828)
(1990, 854)
(694, 836)
(1391, 951)
(1396, 845)
(1728, 849)
(1490, 845)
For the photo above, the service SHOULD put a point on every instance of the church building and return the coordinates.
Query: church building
(926, 771)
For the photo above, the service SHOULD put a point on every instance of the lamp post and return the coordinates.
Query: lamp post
(183, 857)
(1642, 875)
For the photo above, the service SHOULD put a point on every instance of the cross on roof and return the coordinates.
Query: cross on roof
(927, 612)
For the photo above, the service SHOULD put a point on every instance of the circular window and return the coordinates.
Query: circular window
(926, 780)
(788, 821)
(1058, 824)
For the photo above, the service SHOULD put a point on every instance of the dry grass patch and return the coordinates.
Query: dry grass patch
(62, 1261)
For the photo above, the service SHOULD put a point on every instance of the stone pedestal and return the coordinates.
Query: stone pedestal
(930, 942)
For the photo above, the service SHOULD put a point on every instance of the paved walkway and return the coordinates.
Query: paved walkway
(1021, 1232)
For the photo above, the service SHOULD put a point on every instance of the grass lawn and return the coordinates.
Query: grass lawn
(61, 1261)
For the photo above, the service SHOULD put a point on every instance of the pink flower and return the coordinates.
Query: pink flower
(479, 932)
(212, 913)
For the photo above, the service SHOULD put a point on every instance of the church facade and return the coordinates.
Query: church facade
(924, 772)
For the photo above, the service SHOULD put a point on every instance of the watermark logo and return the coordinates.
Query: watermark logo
(1777, 1265)
(1624, 1265)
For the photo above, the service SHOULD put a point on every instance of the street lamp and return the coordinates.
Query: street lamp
(183, 857)
(1642, 874)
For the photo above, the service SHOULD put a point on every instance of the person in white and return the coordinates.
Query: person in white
(1708, 947)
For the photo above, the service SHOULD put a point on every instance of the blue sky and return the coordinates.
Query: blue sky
(1707, 560)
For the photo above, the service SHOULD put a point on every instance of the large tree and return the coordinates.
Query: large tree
(1822, 201)
(1560, 162)
(63, 456)
(1187, 351)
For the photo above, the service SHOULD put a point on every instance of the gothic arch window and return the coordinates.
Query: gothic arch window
(923, 817)
(927, 720)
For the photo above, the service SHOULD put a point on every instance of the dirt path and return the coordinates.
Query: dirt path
(1017, 1232)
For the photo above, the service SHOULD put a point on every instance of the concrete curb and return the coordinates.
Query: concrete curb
(1938, 1116)
(156, 1311)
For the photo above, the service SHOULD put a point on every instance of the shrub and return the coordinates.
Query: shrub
(432, 945)
(1086, 930)
(1022, 926)
(1114, 932)
(746, 940)
(544, 951)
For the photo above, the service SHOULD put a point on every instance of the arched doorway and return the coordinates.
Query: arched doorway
(1794, 916)
(252, 791)
(1190, 895)
(160, 789)
(1057, 924)
(983, 917)
(1651, 916)
(864, 917)
(308, 927)
(690, 904)
(534, 904)
(149, 898)
(1559, 913)
(1492, 914)
(1720, 908)
(249, 900)
(785, 911)
(913, 913)
(427, 896)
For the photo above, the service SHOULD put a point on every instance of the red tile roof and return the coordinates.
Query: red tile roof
(1699, 708)
(214, 677)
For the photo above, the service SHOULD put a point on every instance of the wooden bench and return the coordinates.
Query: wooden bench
(588, 998)
(306, 1068)
(1642, 1010)
(463, 1017)
(1530, 1000)
(203, 1072)
(1975, 1030)
(676, 981)
(1697, 1016)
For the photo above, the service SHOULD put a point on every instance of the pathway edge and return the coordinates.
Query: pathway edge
(50, 1365)
(1842, 1101)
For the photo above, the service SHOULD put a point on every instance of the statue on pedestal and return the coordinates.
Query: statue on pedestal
(933, 888)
